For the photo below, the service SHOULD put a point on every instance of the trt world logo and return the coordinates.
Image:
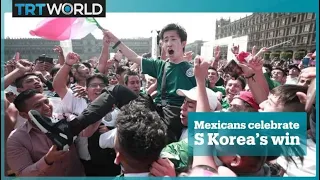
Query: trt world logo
(58, 8)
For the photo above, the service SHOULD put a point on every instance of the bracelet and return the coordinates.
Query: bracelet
(251, 76)
(68, 64)
(116, 45)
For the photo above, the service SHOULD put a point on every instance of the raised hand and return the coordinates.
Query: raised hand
(72, 58)
(235, 49)
(59, 50)
(217, 53)
(24, 66)
(201, 68)
(111, 37)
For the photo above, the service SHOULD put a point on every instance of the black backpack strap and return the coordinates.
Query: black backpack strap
(163, 84)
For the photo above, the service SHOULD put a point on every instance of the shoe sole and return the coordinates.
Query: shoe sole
(43, 129)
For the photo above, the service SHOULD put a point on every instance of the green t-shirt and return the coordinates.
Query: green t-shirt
(178, 154)
(178, 76)
(225, 104)
(272, 83)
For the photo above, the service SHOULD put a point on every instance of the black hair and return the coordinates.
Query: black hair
(19, 101)
(121, 69)
(175, 27)
(19, 81)
(99, 76)
(141, 133)
(282, 70)
(286, 95)
(240, 79)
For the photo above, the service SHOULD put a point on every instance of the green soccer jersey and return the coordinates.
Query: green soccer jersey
(178, 153)
(178, 76)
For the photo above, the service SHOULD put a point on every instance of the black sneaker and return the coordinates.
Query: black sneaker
(58, 132)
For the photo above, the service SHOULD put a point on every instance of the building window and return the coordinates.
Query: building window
(309, 16)
(283, 23)
(307, 28)
(294, 19)
(271, 35)
(281, 32)
(305, 40)
(293, 30)
(262, 35)
(272, 25)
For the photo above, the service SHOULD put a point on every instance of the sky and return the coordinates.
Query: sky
(199, 26)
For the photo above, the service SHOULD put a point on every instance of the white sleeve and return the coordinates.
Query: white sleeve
(107, 139)
(67, 102)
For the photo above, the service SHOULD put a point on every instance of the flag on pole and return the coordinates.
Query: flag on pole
(60, 29)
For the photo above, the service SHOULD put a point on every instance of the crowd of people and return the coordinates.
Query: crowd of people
(127, 115)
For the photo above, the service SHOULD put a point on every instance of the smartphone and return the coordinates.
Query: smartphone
(305, 62)
(232, 68)
(311, 95)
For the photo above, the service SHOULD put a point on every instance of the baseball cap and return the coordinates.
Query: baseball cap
(248, 98)
(192, 94)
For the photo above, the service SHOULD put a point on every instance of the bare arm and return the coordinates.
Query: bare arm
(104, 56)
(201, 67)
(126, 51)
(60, 80)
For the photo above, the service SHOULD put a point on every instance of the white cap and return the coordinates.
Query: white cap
(192, 94)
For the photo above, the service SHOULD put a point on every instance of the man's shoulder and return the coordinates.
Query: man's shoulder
(19, 134)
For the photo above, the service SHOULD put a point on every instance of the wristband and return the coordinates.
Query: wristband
(45, 160)
(251, 76)
(68, 64)
(116, 45)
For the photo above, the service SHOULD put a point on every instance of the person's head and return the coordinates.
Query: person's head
(29, 81)
(112, 78)
(174, 39)
(244, 102)
(267, 68)
(121, 71)
(243, 165)
(95, 84)
(88, 65)
(132, 81)
(304, 81)
(294, 70)
(279, 75)
(284, 99)
(235, 85)
(32, 100)
(213, 75)
(141, 135)
(55, 70)
(190, 102)
(81, 72)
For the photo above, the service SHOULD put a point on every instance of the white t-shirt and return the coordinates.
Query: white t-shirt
(184, 134)
(75, 105)
(106, 139)
(307, 169)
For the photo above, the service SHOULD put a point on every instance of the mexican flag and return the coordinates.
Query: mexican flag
(60, 29)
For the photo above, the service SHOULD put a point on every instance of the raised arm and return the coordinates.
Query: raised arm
(126, 51)
(200, 71)
(104, 56)
(61, 79)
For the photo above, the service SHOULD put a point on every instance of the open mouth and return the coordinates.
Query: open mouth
(37, 87)
(171, 52)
